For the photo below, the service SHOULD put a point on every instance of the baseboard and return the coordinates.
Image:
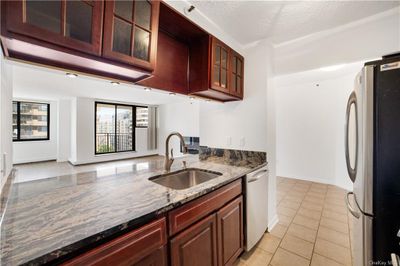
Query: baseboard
(271, 223)
(4, 192)
(35, 160)
(76, 163)
(320, 180)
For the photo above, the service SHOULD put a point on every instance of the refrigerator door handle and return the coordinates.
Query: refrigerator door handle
(349, 207)
(352, 171)
(395, 259)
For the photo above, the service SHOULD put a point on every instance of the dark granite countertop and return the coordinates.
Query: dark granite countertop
(51, 218)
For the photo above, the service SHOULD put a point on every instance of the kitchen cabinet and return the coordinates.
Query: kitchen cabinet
(191, 61)
(220, 57)
(143, 246)
(230, 232)
(197, 245)
(236, 74)
(215, 71)
(72, 35)
(72, 24)
(169, 76)
(130, 32)
(207, 231)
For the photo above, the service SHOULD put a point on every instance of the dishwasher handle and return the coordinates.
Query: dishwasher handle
(257, 176)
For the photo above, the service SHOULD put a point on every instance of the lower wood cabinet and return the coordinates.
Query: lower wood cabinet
(215, 240)
(197, 245)
(230, 232)
(144, 246)
(207, 231)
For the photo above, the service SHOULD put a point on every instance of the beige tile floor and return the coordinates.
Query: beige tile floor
(313, 228)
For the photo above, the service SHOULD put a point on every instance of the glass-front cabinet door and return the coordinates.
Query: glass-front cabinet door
(237, 67)
(130, 31)
(219, 66)
(70, 23)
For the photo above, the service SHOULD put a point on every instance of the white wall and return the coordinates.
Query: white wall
(310, 124)
(247, 124)
(6, 94)
(365, 39)
(82, 138)
(242, 124)
(43, 150)
(181, 117)
(64, 130)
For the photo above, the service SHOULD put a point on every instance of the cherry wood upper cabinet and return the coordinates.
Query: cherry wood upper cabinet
(219, 66)
(130, 32)
(73, 24)
(237, 74)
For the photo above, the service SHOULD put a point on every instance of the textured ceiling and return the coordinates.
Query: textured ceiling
(281, 21)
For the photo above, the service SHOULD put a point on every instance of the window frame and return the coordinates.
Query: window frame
(18, 139)
(134, 126)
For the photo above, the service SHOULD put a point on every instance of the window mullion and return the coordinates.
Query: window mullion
(18, 120)
(115, 129)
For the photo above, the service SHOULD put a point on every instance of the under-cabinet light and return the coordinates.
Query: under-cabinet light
(147, 89)
(71, 75)
(114, 83)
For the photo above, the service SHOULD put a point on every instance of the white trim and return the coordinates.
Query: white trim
(35, 160)
(320, 34)
(320, 180)
(271, 223)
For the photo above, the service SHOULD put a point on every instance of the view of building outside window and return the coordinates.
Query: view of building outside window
(114, 128)
(141, 116)
(30, 121)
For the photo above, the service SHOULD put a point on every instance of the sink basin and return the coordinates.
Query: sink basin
(185, 178)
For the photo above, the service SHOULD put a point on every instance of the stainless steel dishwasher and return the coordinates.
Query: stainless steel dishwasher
(256, 206)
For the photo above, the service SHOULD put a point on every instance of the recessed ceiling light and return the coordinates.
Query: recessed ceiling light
(71, 75)
(114, 83)
(147, 89)
(172, 94)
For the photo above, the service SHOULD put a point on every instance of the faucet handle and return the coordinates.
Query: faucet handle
(184, 164)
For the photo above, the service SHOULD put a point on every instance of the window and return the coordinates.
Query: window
(31, 121)
(115, 126)
(142, 116)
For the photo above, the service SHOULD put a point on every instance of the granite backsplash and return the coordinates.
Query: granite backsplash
(233, 157)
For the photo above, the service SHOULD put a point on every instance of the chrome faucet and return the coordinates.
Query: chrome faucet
(169, 160)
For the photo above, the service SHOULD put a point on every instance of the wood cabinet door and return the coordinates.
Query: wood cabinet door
(230, 232)
(144, 246)
(197, 245)
(236, 74)
(130, 32)
(69, 23)
(219, 66)
(157, 258)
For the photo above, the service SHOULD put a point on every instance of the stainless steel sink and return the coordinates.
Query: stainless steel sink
(185, 178)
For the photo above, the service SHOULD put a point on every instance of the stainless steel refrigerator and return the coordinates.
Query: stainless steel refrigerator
(372, 141)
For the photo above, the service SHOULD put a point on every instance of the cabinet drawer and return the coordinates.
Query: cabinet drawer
(129, 249)
(191, 212)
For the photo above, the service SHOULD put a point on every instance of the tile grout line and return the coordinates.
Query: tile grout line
(279, 246)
